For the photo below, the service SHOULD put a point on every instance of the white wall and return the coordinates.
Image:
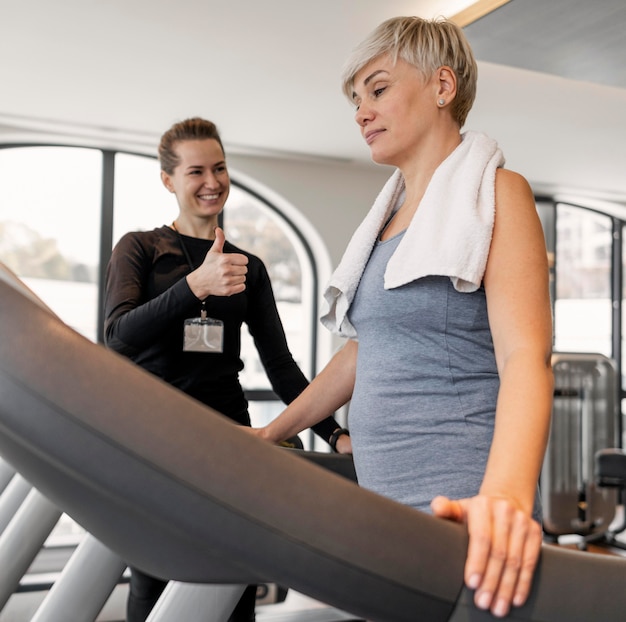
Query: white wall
(333, 196)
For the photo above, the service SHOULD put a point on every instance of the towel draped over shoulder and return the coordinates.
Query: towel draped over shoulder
(449, 235)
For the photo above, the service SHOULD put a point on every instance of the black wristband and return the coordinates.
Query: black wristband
(334, 437)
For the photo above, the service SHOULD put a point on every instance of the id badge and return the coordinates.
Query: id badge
(203, 334)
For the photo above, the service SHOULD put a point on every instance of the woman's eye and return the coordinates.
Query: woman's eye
(378, 92)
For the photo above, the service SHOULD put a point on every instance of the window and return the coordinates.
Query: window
(50, 227)
(141, 202)
(587, 279)
(583, 307)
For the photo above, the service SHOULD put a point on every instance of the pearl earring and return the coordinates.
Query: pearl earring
(441, 102)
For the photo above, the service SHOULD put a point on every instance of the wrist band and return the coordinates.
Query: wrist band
(334, 437)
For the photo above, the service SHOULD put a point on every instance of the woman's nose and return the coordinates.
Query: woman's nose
(210, 181)
(363, 114)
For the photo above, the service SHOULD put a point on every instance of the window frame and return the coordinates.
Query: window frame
(618, 238)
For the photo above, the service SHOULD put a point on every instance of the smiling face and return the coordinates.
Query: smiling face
(396, 106)
(200, 180)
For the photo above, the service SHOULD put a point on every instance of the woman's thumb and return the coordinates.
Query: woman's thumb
(218, 245)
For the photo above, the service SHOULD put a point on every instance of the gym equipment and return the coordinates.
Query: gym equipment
(585, 420)
(178, 490)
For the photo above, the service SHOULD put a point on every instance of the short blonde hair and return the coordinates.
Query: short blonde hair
(426, 44)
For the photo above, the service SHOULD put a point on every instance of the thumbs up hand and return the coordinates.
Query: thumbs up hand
(220, 274)
(220, 238)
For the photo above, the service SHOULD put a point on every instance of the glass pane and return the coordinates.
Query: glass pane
(50, 201)
(254, 227)
(583, 281)
(141, 201)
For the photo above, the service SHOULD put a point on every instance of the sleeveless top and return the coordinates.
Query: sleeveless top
(423, 408)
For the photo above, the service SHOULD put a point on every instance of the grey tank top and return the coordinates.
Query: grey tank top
(423, 408)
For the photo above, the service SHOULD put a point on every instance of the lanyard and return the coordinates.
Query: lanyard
(182, 245)
(203, 315)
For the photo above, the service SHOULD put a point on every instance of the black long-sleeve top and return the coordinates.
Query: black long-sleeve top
(147, 300)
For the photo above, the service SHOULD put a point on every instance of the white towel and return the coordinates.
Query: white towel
(449, 235)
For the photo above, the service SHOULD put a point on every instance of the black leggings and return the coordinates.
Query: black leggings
(145, 591)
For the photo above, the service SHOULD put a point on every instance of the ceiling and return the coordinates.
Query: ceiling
(552, 81)
(575, 39)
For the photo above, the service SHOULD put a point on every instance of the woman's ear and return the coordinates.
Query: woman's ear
(167, 181)
(446, 81)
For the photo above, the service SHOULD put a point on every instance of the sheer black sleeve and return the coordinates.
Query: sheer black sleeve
(136, 316)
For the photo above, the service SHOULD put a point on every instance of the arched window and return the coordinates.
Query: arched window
(63, 208)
